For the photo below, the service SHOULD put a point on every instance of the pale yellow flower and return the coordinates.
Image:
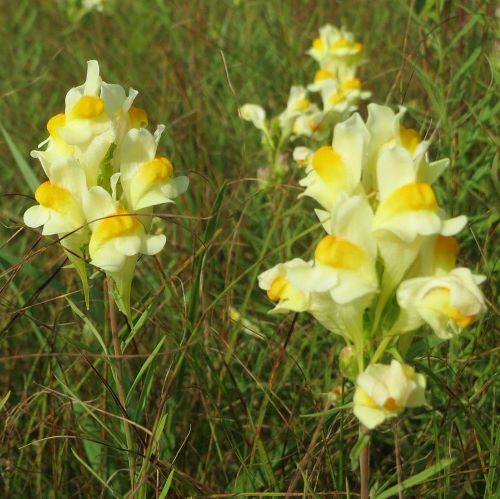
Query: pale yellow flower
(298, 106)
(255, 114)
(302, 155)
(448, 303)
(276, 283)
(437, 257)
(384, 391)
(344, 268)
(348, 251)
(116, 234)
(146, 178)
(408, 213)
(336, 51)
(337, 168)
(308, 123)
(341, 98)
(59, 211)
(59, 207)
(387, 131)
(97, 115)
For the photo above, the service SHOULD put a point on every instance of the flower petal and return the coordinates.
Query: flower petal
(36, 216)
(152, 245)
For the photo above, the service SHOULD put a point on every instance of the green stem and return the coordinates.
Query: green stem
(364, 466)
(381, 348)
(359, 346)
(119, 380)
(405, 342)
(381, 303)
(276, 154)
(386, 340)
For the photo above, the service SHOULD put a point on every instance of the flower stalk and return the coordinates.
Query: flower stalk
(312, 111)
(104, 178)
(364, 466)
(118, 375)
(387, 263)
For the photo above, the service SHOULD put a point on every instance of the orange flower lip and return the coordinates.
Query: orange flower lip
(117, 224)
(439, 300)
(88, 107)
(409, 197)
(409, 138)
(138, 117)
(328, 164)
(278, 288)
(54, 124)
(339, 253)
(156, 170)
(54, 197)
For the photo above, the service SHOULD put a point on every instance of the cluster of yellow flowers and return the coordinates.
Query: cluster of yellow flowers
(340, 92)
(104, 178)
(386, 265)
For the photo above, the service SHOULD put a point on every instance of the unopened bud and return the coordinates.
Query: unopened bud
(348, 363)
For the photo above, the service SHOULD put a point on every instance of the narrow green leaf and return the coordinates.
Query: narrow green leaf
(146, 390)
(141, 320)
(93, 473)
(467, 64)
(144, 367)
(467, 27)
(334, 410)
(198, 262)
(478, 425)
(81, 269)
(356, 450)
(167, 485)
(89, 324)
(21, 163)
(416, 479)
(4, 400)
(158, 431)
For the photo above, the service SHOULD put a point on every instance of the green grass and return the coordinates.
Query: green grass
(221, 409)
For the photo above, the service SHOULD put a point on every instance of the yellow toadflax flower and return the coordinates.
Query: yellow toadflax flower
(96, 116)
(255, 114)
(408, 213)
(59, 200)
(384, 391)
(147, 179)
(288, 284)
(340, 99)
(347, 253)
(387, 131)
(437, 257)
(59, 211)
(448, 303)
(116, 233)
(344, 268)
(336, 51)
(298, 109)
(104, 177)
(337, 168)
(118, 238)
(276, 283)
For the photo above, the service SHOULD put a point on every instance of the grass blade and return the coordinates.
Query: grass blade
(21, 163)
(93, 473)
(198, 263)
(167, 485)
(416, 479)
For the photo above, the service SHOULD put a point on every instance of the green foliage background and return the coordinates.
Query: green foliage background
(234, 408)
